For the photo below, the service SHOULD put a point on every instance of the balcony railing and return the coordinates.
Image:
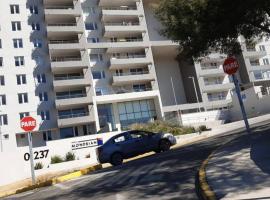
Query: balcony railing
(63, 41)
(216, 98)
(75, 115)
(210, 67)
(119, 8)
(68, 77)
(129, 56)
(59, 7)
(70, 96)
(62, 24)
(65, 59)
(131, 73)
(121, 23)
(109, 91)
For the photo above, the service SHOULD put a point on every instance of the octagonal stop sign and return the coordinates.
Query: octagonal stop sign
(28, 123)
(230, 66)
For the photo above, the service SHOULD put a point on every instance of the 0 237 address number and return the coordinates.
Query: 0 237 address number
(37, 155)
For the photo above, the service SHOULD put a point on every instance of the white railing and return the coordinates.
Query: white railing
(216, 98)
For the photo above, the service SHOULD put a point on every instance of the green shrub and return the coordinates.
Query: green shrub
(202, 128)
(70, 156)
(38, 166)
(163, 126)
(56, 159)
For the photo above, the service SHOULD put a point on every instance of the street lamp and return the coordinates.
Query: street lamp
(194, 85)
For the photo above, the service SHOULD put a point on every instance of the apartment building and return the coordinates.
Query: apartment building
(91, 66)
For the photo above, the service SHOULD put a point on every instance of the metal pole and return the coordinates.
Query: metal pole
(196, 92)
(237, 89)
(31, 158)
(1, 139)
(175, 100)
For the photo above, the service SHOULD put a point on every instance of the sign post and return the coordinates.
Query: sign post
(28, 124)
(230, 67)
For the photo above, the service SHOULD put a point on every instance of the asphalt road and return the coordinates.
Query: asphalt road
(169, 175)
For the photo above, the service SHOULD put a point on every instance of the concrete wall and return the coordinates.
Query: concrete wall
(16, 168)
(255, 104)
(166, 68)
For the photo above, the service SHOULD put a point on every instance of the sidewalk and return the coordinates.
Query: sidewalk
(241, 168)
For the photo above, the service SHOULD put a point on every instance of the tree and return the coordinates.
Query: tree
(200, 26)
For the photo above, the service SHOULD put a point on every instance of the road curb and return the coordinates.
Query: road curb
(59, 179)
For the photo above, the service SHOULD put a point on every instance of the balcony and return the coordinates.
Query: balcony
(121, 12)
(67, 63)
(74, 119)
(122, 62)
(60, 83)
(66, 101)
(119, 45)
(60, 28)
(115, 2)
(56, 10)
(113, 29)
(218, 87)
(128, 78)
(64, 44)
(109, 95)
(253, 53)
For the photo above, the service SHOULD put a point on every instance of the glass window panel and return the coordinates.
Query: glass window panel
(136, 106)
(138, 115)
(129, 107)
(123, 117)
(144, 106)
(145, 115)
(131, 116)
(121, 108)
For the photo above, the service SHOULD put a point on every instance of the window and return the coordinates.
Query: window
(35, 26)
(17, 43)
(16, 26)
(136, 112)
(3, 120)
(14, 9)
(265, 61)
(0, 44)
(43, 96)
(262, 48)
(119, 139)
(89, 10)
(1, 61)
(21, 79)
(66, 132)
(85, 130)
(2, 80)
(94, 58)
(45, 115)
(139, 87)
(38, 60)
(24, 114)
(33, 9)
(37, 43)
(19, 61)
(3, 100)
(41, 78)
(47, 135)
(98, 74)
(99, 92)
(93, 40)
(23, 98)
(91, 26)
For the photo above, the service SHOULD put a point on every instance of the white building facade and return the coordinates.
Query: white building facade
(96, 66)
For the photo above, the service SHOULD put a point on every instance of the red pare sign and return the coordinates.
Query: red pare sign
(230, 66)
(28, 123)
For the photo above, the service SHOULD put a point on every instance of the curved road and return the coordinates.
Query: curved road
(169, 175)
